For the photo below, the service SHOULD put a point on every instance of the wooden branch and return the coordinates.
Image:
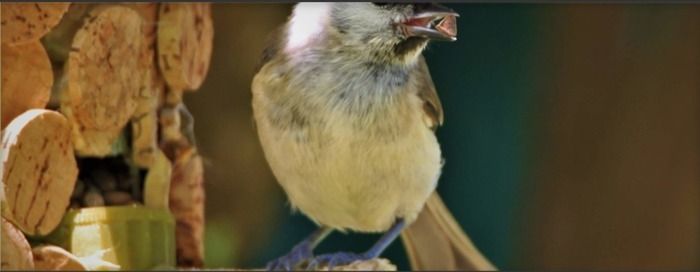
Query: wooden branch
(27, 22)
(26, 79)
(187, 206)
(103, 78)
(39, 170)
(15, 252)
(185, 37)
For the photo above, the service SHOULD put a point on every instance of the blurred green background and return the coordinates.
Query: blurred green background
(571, 138)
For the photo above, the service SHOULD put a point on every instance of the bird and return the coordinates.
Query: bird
(346, 112)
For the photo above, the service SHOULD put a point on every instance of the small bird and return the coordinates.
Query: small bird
(346, 110)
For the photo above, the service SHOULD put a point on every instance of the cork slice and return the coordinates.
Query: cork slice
(39, 170)
(26, 79)
(187, 205)
(26, 22)
(49, 257)
(104, 77)
(185, 36)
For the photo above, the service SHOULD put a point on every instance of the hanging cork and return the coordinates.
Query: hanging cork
(15, 253)
(48, 257)
(187, 205)
(25, 22)
(172, 97)
(103, 78)
(185, 35)
(144, 124)
(39, 170)
(171, 122)
(157, 182)
(26, 79)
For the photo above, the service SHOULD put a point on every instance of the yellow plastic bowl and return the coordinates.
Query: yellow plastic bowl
(133, 237)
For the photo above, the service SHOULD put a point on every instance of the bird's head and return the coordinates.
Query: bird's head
(381, 31)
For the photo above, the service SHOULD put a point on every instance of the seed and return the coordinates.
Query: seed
(93, 198)
(79, 189)
(117, 198)
(104, 179)
(126, 181)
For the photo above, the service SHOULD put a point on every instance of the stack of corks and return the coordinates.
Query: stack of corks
(92, 115)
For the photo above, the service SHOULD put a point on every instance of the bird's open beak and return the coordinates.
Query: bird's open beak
(432, 21)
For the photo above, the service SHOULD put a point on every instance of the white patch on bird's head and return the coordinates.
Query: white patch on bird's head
(306, 24)
(362, 31)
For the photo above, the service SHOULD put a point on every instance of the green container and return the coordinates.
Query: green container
(133, 237)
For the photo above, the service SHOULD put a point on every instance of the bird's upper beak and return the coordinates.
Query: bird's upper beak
(432, 21)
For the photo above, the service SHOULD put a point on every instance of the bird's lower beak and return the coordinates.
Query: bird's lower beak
(432, 21)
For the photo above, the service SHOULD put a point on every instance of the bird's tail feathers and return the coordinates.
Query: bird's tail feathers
(435, 241)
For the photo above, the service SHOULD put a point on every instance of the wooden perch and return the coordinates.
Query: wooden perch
(185, 37)
(26, 79)
(369, 265)
(103, 78)
(39, 170)
(27, 22)
(15, 252)
(187, 206)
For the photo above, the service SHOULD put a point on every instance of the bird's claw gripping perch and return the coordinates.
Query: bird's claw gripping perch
(295, 258)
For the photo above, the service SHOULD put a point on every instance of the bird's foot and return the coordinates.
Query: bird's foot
(329, 261)
(295, 258)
